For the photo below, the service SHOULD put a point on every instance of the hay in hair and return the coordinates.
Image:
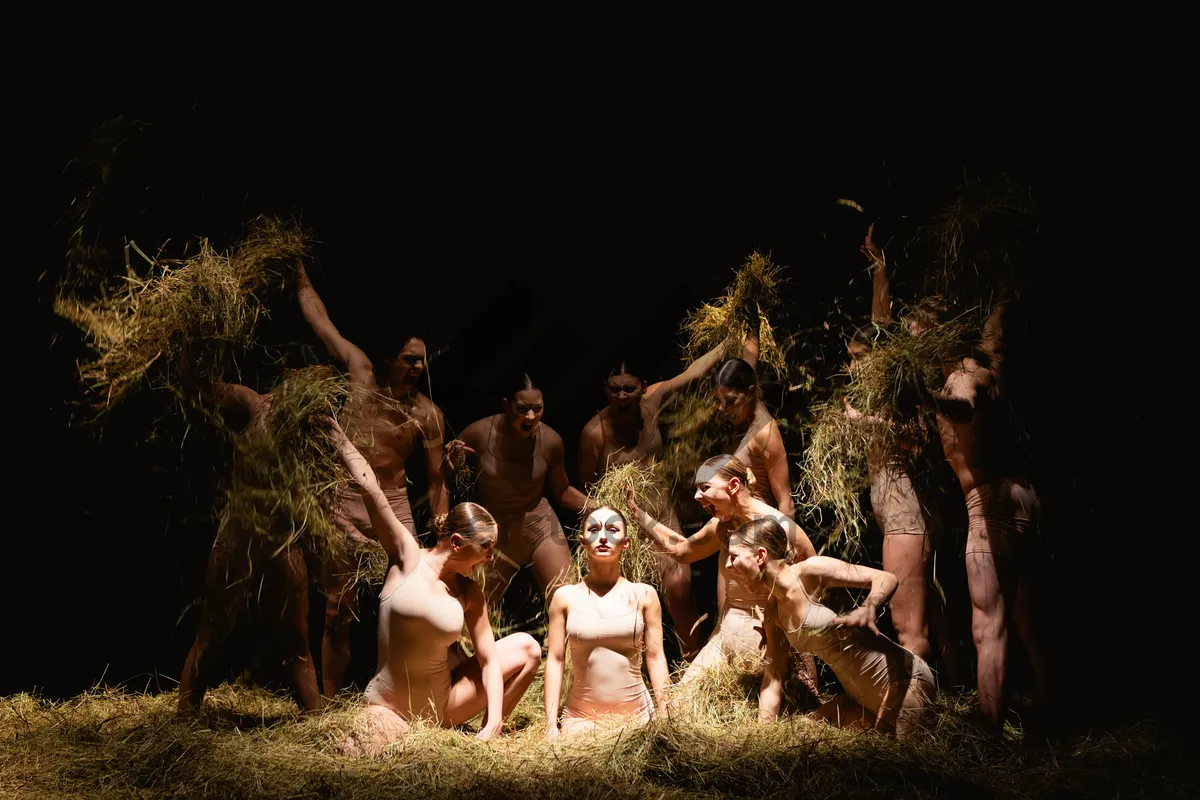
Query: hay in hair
(754, 292)
(200, 307)
(639, 562)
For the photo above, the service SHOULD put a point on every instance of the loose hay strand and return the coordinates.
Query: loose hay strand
(639, 562)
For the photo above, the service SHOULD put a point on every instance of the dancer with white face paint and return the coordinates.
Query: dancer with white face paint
(607, 621)
(723, 488)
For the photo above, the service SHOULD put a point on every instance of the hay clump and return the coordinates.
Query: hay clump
(753, 294)
(286, 475)
(201, 307)
(695, 432)
(890, 384)
(639, 562)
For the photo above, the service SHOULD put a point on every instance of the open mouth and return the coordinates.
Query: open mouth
(709, 507)
(526, 427)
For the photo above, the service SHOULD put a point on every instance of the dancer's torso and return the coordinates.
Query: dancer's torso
(386, 429)
(606, 639)
(508, 484)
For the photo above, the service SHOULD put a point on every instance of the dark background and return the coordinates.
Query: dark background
(550, 210)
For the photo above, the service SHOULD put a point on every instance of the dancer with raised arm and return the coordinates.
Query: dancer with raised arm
(607, 622)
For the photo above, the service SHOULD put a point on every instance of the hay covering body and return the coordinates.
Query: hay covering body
(199, 308)
(891, 384)
(639, 562)
(726, 320)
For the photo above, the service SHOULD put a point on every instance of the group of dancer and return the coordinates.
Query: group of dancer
(771, 583)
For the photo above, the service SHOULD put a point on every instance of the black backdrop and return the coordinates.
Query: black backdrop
(549, 219)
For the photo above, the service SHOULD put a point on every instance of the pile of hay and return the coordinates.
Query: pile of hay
(892, 384)
(248, 743)
(286, 473)
(200, 307)
(753, 294)
(639, 563)
(695, 433)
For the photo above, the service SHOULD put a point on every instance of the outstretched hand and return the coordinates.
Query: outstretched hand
(327, 422)
(861, 617)
(870, 249)
(631, 502)
(456, 452)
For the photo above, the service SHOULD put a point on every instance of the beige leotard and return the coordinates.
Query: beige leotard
(418, 624)
(606, 657)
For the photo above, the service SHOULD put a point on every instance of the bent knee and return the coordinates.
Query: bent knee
(528, 647)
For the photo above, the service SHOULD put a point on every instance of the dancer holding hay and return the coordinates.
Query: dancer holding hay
(902, 516)
(1003, 510)
(627, 431)
(723, 488)
(392, 417)
(887, 686)
(426, 598)
(516, 455)
(237, 553)
(607, 621)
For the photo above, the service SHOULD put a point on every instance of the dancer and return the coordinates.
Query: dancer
(627, 431)
(607, 621)
(232, 564)
(905, 521)
(426, 597)
(1003, 511)
(391, 416)
(723, 488)
(758, 443)
(515, 455)
(887, 687)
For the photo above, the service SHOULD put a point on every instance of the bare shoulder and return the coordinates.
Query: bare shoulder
(593, 431)
(564, 597)
(550, 439)
(475, 433)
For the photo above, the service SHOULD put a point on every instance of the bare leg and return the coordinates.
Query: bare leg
(844, 713)
(991, 598)
(906, 555)
(520, 656)
(375, 729)
(219, 612)
(552, 566)
(294, 620)
(677, 594)
(341, 605)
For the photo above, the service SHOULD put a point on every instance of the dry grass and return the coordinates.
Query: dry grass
(248, 743)
(695, 432)
(199, 307)
(639, 562)
(754, 293)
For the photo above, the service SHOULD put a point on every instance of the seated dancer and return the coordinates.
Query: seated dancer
(887, 687)
(607, 621)
(980, 442)
(426, 597)
(723, 488)
(391, 416)
(515, 455)
(227, 585)
(758, 443)
(905, 520)
(627, 430)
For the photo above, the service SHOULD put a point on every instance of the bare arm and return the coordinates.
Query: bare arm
(591, 441)
(556, 647)
(992, 343)
(800, 542)
(431, 432)
(684, 549)
(770, 695)
(881, 290)
(566, 494)
(659, 393)
(825, 571)
(775, 458)
(353, 359)
(750, 346)
(398, 541)
(656, 659)
(490, 669)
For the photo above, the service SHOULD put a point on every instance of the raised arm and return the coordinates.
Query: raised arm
(770, 695)
(492, 672)
(226, 396)
(881, 289)
(353, 359)
(824, 571)
(684, 549)
(398, 541)
(560, 485)
(992, 344)
(775, 459)
(432, 435)
(750, 346)
(656, 659)
(659, 393)
(556, 648)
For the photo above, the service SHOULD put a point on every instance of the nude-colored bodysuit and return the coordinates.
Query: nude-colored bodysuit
(417, 627)
(606, 658)
(657, 499)
(865, 663)
(512, 490)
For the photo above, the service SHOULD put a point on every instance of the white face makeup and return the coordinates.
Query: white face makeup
(604, 532)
